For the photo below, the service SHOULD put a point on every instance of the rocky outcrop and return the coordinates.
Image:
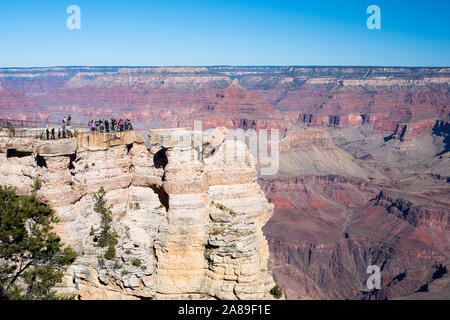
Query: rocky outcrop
(339, 121)
(442, 129)
(235, 107)
(216, 212)
(188, 212)
(417, 215)
(404, 132)
(309, 151)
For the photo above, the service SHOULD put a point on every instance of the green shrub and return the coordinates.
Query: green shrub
(110, 253)
(224, 208)
(107, 236)
(37, 185)
(137, 262)
(276, 292)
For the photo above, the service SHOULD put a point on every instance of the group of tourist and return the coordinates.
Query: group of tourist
(99, 125)
(112, 125)
(51, 134)
(62, 132)
(66, 122)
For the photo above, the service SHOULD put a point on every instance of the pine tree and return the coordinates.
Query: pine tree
(107, 237)
(32, 258)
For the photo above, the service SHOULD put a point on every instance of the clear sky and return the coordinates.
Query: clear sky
(248, 32)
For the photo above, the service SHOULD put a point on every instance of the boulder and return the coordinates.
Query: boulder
(214, 140)
(55, 148)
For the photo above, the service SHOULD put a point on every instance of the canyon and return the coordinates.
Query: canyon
(363, 179)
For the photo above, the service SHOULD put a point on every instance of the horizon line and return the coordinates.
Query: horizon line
(231, 66)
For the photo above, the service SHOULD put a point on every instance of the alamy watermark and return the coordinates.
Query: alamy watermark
(374, 20)
(263, 145)
(374, 281)
(73, 22)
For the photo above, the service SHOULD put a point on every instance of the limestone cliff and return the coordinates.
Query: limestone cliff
(189, 209)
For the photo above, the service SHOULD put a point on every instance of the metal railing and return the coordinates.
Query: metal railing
(37, 129)
(21, 128)
(16, 123)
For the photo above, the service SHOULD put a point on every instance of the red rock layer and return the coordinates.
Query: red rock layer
(235, 107)
(274, 97)
(327, 230)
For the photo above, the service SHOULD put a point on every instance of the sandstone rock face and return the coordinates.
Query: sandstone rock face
(55, 148)
(193, 218)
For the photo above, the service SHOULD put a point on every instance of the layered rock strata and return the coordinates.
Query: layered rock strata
(188, 212)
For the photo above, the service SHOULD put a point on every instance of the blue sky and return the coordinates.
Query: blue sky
(256, 32)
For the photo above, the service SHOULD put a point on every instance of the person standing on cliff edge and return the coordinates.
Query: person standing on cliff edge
(64, 131)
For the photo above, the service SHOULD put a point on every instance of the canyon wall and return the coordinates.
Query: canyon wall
(189, 210)
(336, 214)
(244, 97)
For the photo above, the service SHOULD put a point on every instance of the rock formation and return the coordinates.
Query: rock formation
(364, 160)
(339, 97)
(235, 107)
(188, 212)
